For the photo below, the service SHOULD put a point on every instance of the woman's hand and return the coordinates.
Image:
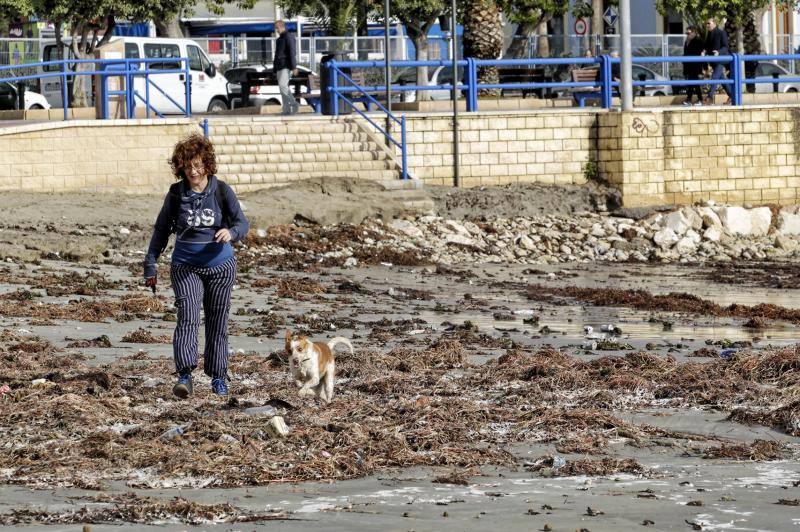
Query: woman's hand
(223, 235)
(151, 282)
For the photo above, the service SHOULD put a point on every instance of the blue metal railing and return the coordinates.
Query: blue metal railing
(130, 69)
(337, 93)
(603, 87)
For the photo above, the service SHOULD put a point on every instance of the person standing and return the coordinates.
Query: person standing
(285, 66)
(694, 46)
(716, 44)
(206, 217)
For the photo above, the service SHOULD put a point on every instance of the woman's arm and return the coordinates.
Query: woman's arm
(238, 221)
(161, 232)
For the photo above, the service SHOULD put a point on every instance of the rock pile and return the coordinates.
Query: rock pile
(688, 234)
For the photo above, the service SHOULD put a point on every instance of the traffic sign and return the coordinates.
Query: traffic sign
(580, 26)
(610, 15)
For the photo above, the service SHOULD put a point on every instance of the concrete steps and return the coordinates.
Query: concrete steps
(253, 154)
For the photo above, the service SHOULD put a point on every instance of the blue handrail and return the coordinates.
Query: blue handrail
(602, 87)
(105, 68)
(336, 94)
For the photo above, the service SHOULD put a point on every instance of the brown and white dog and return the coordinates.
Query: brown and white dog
(312, 365)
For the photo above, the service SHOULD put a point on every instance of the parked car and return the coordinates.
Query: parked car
(640, 73)
(767, 70)
(266, 94)
(441, 75)
(207, 85)
(9, 96)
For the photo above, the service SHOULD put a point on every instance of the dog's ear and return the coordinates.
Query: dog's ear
(288, 340)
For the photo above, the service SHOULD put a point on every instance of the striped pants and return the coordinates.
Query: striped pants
(212, 287)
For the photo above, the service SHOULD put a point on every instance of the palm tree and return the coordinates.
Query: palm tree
(483, 37)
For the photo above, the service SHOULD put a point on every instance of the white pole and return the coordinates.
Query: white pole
(625, 70)
(299, 41)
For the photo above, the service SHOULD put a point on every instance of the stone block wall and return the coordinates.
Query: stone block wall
(672, 156)
(498, 148)
(112, 155)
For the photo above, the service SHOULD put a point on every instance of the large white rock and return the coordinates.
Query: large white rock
(462, 240)
(694, 219)
(710, 218)
(677, 222)
(736, 220)
(761, 221)
(665, 238)
(406, 227)
(713, 234)
(788, 223)
(685, 246)
(525, 242)
(457, 228)
(693, 235)
(785, 243)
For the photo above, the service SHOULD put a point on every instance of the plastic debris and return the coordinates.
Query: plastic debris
(277, 427)
(558, 462)
(261, 411)
(173, 433)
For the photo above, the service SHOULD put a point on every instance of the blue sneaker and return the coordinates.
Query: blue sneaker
(183, 388)
(219, 387)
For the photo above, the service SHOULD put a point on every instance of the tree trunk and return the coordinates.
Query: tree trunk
(172, 29)
(84, 42)
(543, 41)
(483, 39)
(518, 49)
(597, 22)
(420, 41)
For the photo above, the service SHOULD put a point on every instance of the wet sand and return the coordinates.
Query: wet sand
(735, 495)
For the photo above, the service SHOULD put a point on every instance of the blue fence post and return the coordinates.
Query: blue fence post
(188, 75)
(403, 147)
(204, 125)
(334, 87)
(736, 74)
(472, 85)
(64, 95)
(606, 89)
(147, 90)
(130, 92)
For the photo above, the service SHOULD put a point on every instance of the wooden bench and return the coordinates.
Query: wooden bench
(585, 75)
(525, 75)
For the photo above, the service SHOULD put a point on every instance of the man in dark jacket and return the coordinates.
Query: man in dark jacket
(285, 66)
(694, 46)
(717, 44)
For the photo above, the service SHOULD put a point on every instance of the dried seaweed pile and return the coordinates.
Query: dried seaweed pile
(295, 247)
(127, 308)
(131, 508)
(84, 424)
(673, 302)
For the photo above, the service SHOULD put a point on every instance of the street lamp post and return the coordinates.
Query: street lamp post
(626, 91)
(454, 41)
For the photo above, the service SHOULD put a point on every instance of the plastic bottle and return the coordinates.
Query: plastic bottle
(261, 411)
(558, 462)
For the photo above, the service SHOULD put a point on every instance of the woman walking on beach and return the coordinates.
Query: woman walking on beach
(204, 213)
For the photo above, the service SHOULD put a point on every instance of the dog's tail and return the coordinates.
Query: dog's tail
(340, 340)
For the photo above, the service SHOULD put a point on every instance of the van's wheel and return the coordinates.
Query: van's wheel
(217, 105)
(791, 89)
(35, 106)
(659, 94)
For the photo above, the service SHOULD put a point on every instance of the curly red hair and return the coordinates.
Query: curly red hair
(195, 145)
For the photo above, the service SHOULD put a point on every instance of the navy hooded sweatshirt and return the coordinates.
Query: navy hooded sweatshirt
(198, 219)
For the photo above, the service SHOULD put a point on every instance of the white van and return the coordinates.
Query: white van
(209, 87)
